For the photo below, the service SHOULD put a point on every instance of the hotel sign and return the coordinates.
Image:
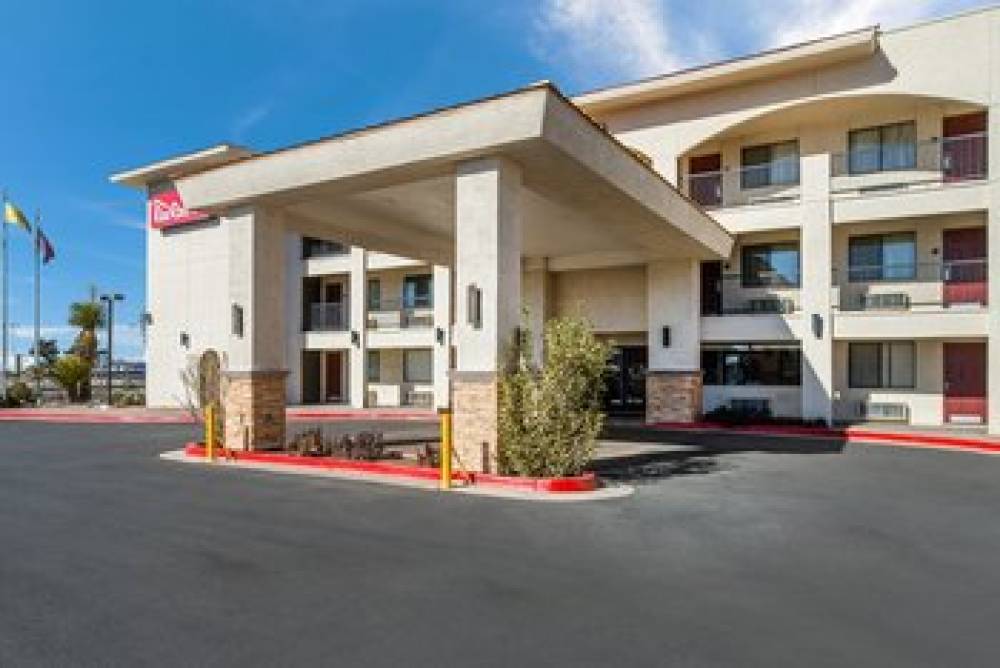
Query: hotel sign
(167, 210)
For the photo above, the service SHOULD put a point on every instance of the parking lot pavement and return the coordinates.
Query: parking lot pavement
(731, 552)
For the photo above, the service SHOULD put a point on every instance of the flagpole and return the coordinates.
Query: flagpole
(38, 305)
(6, 297)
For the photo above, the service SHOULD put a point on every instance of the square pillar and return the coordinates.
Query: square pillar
(673, 381)
(488, 280)
(357, 303)
(254, 396)
(295, 271)
(816, 241)
(442, 335)
(993, 263)
(537, 302)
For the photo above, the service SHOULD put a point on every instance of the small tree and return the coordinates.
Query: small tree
(549, 418)
(71, 372)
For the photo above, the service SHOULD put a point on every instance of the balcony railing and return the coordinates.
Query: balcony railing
(755, 184)
(400, 314)
(730, 297)
(328, 317)
(928, 162)
(904, 287)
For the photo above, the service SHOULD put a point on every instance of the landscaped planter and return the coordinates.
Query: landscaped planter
(587, 482)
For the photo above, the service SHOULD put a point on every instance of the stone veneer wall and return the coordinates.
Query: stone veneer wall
(474, 420)
(254, 406)
(673, 396)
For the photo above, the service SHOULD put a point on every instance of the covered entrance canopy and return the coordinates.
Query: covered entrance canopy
(477, 187)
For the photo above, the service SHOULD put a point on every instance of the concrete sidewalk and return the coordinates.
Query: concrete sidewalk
(142, 415)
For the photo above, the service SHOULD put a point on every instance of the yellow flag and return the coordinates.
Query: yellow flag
(14, 216)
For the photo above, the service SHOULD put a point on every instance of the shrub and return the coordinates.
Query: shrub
(19, 394)
(71, 372)
(549, 418)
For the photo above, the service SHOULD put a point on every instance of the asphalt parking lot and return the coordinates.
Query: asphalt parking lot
(732, 551)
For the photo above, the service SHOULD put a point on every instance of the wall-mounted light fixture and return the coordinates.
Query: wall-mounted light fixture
(237, 320)
(355, 338)
(439, 335)
(817, 325)
(665, 333)
(474, 306)
(185, 340)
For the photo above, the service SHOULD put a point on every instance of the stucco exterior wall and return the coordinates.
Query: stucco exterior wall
(614, 300)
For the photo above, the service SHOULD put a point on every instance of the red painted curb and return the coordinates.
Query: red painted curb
(587, 482)
(848, 434)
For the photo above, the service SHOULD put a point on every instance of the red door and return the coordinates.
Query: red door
(705, 179)
(964, 272)
(334, 377)
(965, 382)
(963, 148)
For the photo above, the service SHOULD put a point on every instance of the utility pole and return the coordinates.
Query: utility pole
(110, 301)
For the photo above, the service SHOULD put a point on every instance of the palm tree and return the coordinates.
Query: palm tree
(89, 317)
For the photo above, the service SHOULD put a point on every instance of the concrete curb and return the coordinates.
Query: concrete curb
(603, 493)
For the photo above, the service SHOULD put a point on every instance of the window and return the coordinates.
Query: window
(318, 247)
(417, 292)
(882, 257)
(373, 366)
(772, 264)
(882, 365)
(374, 294)
(751, 365)
(417, 366)
(770, 165)
(882, 149)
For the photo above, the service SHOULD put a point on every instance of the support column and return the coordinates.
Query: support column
(537, 300)
(295, 271)
(357, 384)
(816, 243)
(254, 398)
(673, 381)
(442, 335)
(488, 300)
(993, 259)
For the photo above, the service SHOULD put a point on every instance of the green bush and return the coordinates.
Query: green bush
(549, 418)
(71, 372)
(19, 394)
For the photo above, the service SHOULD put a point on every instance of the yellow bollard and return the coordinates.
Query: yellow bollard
(445, 452)
(210, 432)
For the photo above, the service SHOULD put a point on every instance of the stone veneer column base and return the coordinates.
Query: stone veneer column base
(254, 406)
(673, 396)
(474, 420)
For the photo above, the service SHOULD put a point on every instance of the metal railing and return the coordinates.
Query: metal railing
(755, 184)
(905, 286)
(731, 297)
(400, 314)
(945, 159)
(328, 317)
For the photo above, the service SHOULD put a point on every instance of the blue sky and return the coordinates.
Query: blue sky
(93, 88)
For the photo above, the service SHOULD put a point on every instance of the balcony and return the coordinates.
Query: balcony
(928, 286)
(908, 166)
(400, 314)
(328, 317)
(766, 183)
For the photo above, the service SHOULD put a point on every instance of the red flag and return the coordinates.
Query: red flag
(45, 247)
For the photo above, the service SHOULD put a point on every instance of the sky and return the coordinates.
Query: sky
(92, 88)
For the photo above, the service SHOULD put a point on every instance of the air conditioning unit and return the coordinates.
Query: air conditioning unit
(883, 411)
(895, 301)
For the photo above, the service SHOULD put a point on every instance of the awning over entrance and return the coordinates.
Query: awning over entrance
(392, 187)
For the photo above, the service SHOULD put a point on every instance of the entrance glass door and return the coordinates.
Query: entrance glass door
(625, 393)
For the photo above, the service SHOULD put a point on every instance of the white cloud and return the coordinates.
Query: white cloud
(597, 41)
(627, 38)
(248, 119)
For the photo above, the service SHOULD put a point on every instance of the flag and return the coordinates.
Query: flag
(14, 216)
(45, 248)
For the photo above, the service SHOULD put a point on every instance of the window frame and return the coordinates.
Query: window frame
(769, 181)
(406, 367)
(864, 277)
(747, 280)
(376, 357)
(716, 372)
(373, 294)
(416, 280)
(881, 130)
(883, 367)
